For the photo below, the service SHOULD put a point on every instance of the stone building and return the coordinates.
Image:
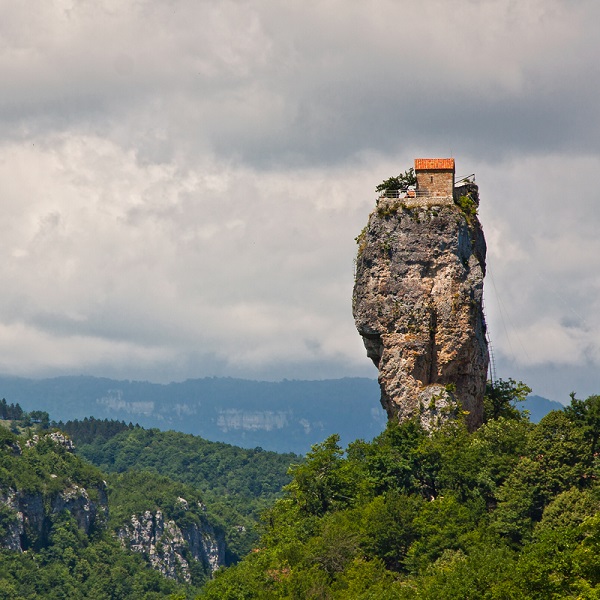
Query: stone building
(435, 177)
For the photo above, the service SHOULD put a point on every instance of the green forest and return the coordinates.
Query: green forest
(59, 560)
(510, 511)
(213, 487)
(236, 484)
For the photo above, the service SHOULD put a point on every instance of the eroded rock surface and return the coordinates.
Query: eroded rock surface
(169, 548)
(30, 514)
(417, 304)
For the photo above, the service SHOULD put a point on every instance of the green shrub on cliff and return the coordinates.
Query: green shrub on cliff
(468, 206)
(399, 182)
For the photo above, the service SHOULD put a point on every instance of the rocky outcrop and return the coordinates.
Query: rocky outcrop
(89, 508)
(56, 437)
(417, 304)
(12, 521)
(28, 516)
(206, 545)
(169, 548)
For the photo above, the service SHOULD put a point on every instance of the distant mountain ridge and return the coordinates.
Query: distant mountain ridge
(284, 416)
(539, 407)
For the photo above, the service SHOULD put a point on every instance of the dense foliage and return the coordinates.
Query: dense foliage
(91, 430)
(509, 511)
(59, 559)
(236, 484)
(74, 566)
(134, 492)
(210, 466)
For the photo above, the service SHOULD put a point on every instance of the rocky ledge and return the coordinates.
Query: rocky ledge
(169, 548)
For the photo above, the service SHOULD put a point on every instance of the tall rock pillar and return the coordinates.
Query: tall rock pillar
(417, 304)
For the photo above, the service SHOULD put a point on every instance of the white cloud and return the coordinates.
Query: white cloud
(543, 259)
(245, 266)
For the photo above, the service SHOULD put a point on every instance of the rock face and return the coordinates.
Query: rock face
(417, 304)
(26, 516)
(56, 437)
(30, 514)
(186, 548)
(169, 548)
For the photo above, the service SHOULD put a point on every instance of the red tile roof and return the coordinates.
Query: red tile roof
(434, 164)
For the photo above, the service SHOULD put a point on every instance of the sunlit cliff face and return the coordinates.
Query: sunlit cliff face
(418, 307)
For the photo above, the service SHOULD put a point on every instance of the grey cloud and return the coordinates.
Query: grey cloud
(182, 181)
(275, 86)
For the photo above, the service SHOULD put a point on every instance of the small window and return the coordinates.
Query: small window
(431, 179)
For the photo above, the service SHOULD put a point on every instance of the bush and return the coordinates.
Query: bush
(398, 182)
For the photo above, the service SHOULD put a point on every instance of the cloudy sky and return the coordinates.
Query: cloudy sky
(181, 181)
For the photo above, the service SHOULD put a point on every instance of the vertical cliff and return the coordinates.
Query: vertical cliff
(169, 548)
(41, 481)
(417, 304)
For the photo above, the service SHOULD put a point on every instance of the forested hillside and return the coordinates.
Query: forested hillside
(70, 530)
(237, 484)
(509, 511)
(54, 538)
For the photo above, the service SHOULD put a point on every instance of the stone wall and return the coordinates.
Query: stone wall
(427, 201)
(415, 202)
(435, 182)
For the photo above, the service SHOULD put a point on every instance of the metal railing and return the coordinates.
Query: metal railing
(465, 179)
(405, 194)
(488, 339)
(408, 194)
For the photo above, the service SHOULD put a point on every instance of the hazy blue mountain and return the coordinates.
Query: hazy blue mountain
(285, 416)
(538, 407)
